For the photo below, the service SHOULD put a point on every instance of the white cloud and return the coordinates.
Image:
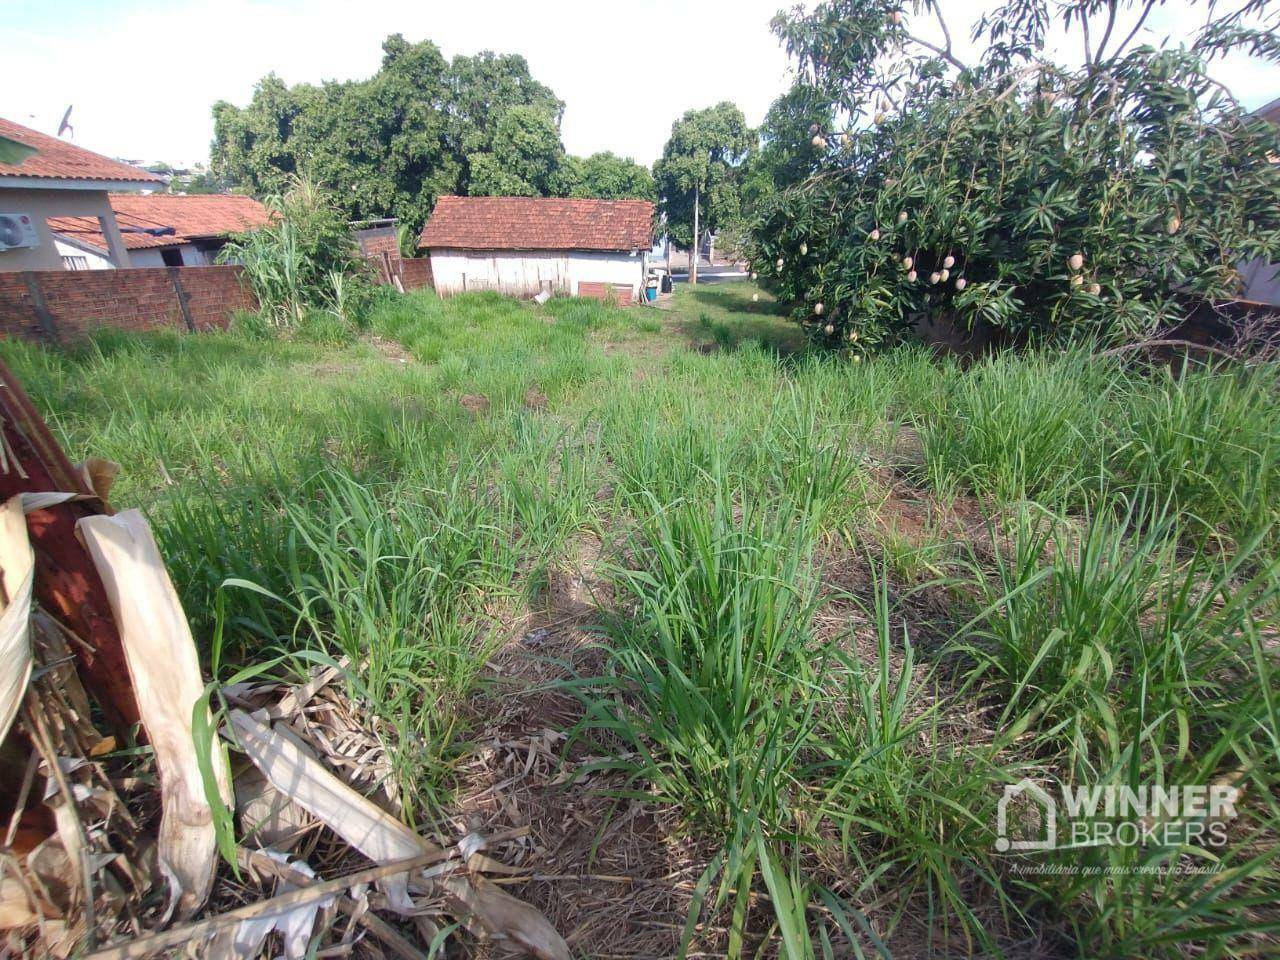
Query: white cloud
(143, 80)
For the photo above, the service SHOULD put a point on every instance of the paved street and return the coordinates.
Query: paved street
(710, 274)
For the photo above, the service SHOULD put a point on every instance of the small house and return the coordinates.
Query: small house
(160, 230)
(55, 180)
(524, 246)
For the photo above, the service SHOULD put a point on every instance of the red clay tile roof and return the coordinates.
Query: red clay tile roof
(142, 217)
(194, 215)
(59, 160)
(538, 223)
(85, 229)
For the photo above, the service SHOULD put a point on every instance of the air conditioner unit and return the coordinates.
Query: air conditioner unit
(17, 230)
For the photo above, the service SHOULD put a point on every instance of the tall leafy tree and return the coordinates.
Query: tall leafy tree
(1015, 195)
(698, 173)
(486, 86)
(784, 154)
(526, 160)
(607, 176)
(391, 144)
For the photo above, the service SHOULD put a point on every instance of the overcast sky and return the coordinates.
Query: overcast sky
(143, 75)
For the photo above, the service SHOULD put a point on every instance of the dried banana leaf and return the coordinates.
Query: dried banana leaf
(17, 571)
(305, 781)
(382, 838)
(162, 663)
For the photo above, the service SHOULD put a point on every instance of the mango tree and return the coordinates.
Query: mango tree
(1014, 195)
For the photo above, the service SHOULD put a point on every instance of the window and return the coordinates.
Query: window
(75, 263)
(172, 257)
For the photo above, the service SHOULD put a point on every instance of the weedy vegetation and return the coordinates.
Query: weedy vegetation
(838, 606)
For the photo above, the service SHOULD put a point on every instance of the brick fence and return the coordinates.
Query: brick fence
(57, 305)
(412, 274)
(416, 274)
(605, 292)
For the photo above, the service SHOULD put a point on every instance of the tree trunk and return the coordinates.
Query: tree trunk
(693, 250)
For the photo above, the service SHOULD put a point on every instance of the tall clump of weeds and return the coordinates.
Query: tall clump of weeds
(1124, 650)
(1017, 426)
(819, 777)
(716, 676)
(1208, 439)
(303, 266)
(397, 581)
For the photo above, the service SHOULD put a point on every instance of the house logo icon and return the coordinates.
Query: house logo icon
(1048, 817)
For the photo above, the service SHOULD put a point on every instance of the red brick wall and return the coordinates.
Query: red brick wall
(605, 291)
(373, 246)
(375, 241)
(416, 274)
(77, 301)
(214, 294)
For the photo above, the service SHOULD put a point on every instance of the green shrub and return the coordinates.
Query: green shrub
(305, 259)
(1013, 195)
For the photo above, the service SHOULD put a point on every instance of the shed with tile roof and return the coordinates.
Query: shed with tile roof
(527, 245)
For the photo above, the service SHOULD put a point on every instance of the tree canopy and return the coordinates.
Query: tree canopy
(702, 158)
(1014, 194)
(526, 159)
(609, 177)
(422, 126)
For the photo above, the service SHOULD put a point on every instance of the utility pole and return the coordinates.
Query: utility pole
(693, 251)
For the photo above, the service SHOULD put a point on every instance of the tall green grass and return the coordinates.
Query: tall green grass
(1118, 628)
(805, 765)
(718, 682)
(1122, 651)
(1013, 427)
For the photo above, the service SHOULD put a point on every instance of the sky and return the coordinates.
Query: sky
(142, 76)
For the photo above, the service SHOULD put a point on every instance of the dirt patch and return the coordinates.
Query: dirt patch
(389, 349)
(535, 399)
(615, 876)
(474, 403)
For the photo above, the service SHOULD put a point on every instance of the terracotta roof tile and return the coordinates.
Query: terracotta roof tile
(59, 160)
(132, 231)
(144, 219)
(538, 223)
(194, 215)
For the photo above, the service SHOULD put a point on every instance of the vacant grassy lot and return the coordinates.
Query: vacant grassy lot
(741, 631)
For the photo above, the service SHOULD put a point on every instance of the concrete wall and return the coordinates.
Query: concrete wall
(65, 304)
(526, 273)
(151, 257)
(192, 256)
(40, 204)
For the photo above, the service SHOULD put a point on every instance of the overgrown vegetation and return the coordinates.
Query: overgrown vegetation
(1013, 195)
(840, 606)
(304, 266)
